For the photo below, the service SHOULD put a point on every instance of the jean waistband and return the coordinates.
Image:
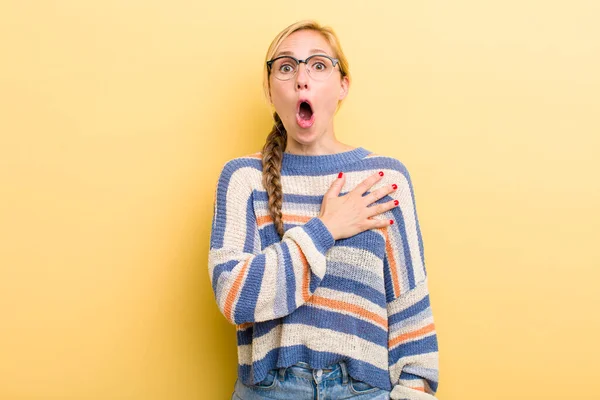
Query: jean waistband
(304, 370)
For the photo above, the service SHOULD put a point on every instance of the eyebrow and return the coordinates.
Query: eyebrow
(290, 53)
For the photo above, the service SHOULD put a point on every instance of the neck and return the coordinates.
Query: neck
(326, 144)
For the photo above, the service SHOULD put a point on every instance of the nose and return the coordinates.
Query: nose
(302, 77)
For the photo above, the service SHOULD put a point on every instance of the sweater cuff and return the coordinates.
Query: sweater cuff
(318, 232)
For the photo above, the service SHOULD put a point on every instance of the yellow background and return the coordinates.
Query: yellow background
(116, 117)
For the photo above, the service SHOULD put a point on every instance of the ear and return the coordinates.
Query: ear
(344, 87)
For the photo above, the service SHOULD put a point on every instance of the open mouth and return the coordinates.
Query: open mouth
(305, 115)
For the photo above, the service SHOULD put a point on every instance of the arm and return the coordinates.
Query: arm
(250, 284)
(413, 347)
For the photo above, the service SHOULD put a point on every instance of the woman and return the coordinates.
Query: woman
(315, 251)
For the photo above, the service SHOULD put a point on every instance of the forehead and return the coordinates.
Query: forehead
(304, 43)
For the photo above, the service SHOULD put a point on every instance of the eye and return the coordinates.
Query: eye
(320, 64)
(286, 68)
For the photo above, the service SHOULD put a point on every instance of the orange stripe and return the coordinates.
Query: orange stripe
(286, 218)
(343, 306)
(244, 326)
(411, 335)
(234, 291)
(418, 388)
(425, 388)
(392, 262)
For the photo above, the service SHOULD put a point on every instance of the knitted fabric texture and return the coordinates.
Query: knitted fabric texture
(307, 297)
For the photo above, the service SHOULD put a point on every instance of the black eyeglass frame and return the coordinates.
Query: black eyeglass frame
(334, 61)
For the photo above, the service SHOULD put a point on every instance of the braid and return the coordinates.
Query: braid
(272, 155)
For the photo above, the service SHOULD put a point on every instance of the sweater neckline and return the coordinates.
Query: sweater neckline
(323, 162)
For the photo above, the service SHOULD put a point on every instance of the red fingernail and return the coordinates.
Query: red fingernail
(396, 202)
(340, 174)
(391, 221)
(394, 186)
(380, 173)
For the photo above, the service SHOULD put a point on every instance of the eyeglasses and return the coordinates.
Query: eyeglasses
(318, 66)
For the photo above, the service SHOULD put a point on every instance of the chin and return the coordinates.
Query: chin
(305, 136)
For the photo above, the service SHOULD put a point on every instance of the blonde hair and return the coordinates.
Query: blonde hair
(272, 152)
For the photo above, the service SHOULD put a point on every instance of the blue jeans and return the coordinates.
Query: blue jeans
(300, 382)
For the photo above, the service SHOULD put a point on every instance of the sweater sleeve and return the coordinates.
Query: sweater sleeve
(412, 339)
(251, 284)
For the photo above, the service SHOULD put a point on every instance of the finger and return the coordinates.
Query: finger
(381, 208)
(365, 185)
(379, 193)
(336, 187)
(378, 223)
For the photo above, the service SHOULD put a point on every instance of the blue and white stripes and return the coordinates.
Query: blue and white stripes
(306, 297)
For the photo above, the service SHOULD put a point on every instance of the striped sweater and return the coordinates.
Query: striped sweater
(307, 297)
